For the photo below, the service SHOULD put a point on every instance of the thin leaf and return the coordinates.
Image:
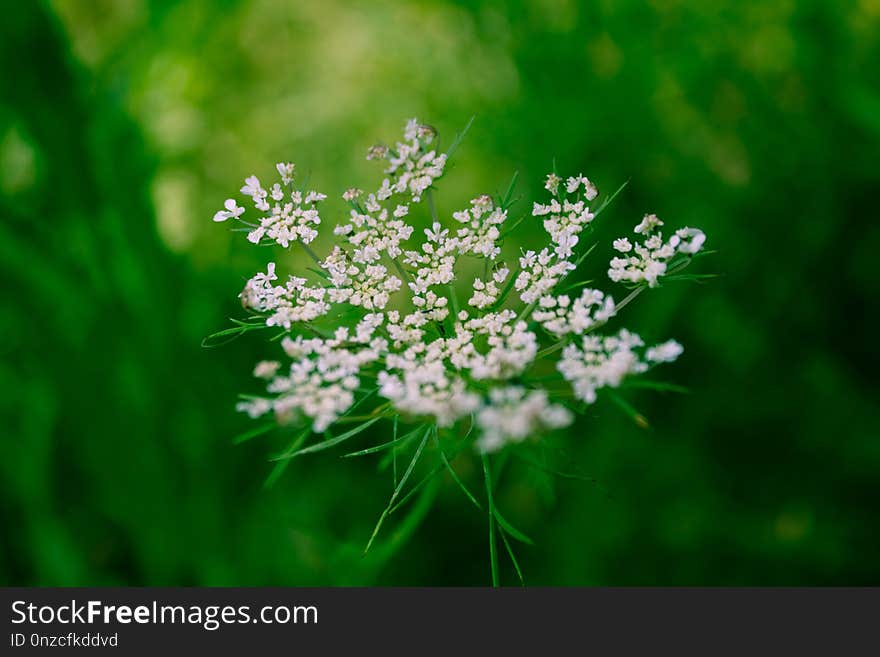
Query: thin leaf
(406, 526)
(580, 259)
(510, 529)
(327, 444)
(253, 433)
(231, 333)
(701, 254)
(584, 255)
(415, 489)
(470, 428)
(513, 559)
(575, 286)
(281, 466)
(657, 385)
(507, 288)
(460, 483)
(512, 227)
(363, 418)
(627, 408)
(394, 452)
(383, 446)
(508, 195)
(428, 477)
(558, 473)
(454, 474)
(412, 464)
(372, 392)
(453, 299)
(459, 137)
(691, 277)
(608, 200)
(432, 209)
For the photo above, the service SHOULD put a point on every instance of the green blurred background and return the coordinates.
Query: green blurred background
(124, 124)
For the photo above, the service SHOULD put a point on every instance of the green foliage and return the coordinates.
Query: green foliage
(754, 121)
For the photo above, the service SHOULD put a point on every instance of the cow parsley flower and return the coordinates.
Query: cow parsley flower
(540, 272)
(283, 305)
(432, 362)
(664, 353)
(565, 220)
(560, 315)
(412, 164)
(512, 414)
(599, 362)
(480, 228)
(648, 261)
(287, 216)
(415, 317)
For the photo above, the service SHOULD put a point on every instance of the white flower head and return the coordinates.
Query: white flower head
(435, 321)
(664, 353)
(513, 414)
(648, 261)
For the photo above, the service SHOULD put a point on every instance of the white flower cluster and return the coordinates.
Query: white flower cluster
(284, 304)
(512, 414)
(408, 339)
(372, 230)
(486, 292)
(598, 361)
(423, 386)
(432, 379)
(412, 167)
(495, 346)
(560, 316)
(435, 266)
(540, 272)
(648, 259)
(366, 285)
(480, 227)
(323, 376)
(565, 218)
(293, 215)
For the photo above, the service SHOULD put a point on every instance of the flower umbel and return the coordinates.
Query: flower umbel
(434, 322)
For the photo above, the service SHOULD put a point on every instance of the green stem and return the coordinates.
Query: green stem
(552, 349)
(507, 288)
(629, 297)
(311, 253)
(453, 299)
(527, 311)
(433, 210)
(493, 548)
(403, 272)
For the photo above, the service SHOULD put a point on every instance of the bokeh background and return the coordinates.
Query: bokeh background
(123, 126)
